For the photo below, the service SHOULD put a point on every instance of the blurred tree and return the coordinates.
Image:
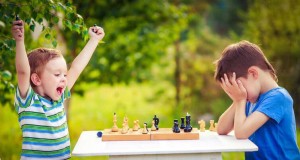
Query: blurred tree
(225, 16)
(275, 26)
(139, 34)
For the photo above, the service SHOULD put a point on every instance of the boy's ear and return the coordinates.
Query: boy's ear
(35, 79)
(253, 71)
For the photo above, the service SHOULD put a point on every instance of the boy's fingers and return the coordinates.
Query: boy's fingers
(19, 22)
(226, 80)
(240, 84)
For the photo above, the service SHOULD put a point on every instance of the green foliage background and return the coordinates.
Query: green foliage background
(156, 58)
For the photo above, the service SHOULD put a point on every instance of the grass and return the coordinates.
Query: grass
(95, 111)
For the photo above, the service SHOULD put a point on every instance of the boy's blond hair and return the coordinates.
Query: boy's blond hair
(39, 57)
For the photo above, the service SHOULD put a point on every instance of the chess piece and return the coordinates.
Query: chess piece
(202, 125)
(216, 127)
(135, 126)
(188, 127)
(156, 121)
(124, 129)
(145, 129)
(153, 128)
(138, 124)
(125, 121)
(175, 127)
(17, 19)
(115, 127)
(211, 127)
(182, 126)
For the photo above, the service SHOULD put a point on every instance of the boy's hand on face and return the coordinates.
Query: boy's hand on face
(96, 32)
(234, 88)
(18, 30)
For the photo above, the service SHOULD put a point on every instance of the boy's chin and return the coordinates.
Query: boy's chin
(55, 98)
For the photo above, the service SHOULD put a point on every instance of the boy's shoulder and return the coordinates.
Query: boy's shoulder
(276, 95)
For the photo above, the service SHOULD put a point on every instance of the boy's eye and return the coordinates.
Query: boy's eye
(65, 75)
(56, 75)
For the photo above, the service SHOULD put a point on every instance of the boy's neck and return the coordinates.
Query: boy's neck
(268, 83)
(39, 91)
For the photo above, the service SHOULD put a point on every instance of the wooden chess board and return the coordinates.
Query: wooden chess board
(161, 134)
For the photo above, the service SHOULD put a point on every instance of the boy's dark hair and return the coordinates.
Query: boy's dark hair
(239, 57)
(39, 57)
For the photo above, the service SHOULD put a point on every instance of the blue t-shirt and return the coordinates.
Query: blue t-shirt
(276, 139)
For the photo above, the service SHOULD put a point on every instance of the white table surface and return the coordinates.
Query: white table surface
(89, 144)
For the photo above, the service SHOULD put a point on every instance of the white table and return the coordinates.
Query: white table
(209, 146)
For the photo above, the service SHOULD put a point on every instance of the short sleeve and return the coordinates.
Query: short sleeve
(23, 103)
(273, 106)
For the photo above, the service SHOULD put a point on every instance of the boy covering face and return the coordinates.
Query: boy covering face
(261, 110)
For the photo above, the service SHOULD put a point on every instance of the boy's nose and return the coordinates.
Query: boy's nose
(63, 78)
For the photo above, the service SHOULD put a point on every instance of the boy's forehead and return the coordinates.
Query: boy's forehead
(57, 63)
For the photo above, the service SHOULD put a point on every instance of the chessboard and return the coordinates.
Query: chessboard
(161, 134)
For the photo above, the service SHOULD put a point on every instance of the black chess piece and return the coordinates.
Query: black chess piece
(188, 127)
(156, 121)
(182, 126)
(17, 19)
(176, 127)
(93, 29)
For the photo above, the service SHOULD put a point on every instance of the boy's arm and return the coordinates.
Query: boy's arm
(80, 62)
(243, 126)
(22, 64)
(226, 121)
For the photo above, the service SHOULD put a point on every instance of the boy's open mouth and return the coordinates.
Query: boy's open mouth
(59, 90)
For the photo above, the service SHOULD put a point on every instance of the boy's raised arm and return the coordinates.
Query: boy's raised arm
(80, 62)
(22, 64)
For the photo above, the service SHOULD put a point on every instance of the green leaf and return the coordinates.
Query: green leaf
(68, 24)
(6, 75)
(40, 20)
(68, 4)
(56, 19)
(34, 15)
(28, 20)
(48, 36)
(76, 27)
(54, 43)
(32, 27)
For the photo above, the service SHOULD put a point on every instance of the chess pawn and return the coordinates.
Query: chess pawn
(115, 127)
(211, 127)
(175, 127)
(182, 126)
(216, 127)
(135, 126)
(153, 128)
(188, 127)
(145, 130)
(124, 129)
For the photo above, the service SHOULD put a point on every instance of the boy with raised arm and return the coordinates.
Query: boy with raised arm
(44, 82)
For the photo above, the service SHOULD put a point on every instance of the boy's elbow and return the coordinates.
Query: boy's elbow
(22, 72)
(221, 131)
(240, 135)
